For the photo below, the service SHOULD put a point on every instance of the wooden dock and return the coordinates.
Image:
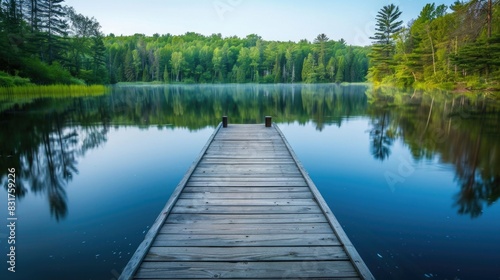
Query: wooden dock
(246, 209)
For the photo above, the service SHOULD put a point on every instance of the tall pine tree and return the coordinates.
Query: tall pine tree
(383, 49)
(53, 26)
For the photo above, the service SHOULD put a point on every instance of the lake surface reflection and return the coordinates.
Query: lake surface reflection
(413, 177)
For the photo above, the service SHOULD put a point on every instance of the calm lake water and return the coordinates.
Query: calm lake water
(414, 178)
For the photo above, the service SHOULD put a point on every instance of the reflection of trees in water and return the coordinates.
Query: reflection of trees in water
(382, 137)
(198, 106)
(463, 131)
(473, 191)
(45, 144)
(47, 149)
(478, 180)
(56, 162)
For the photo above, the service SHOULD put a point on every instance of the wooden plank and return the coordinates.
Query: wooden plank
(217, 209)
(263, 186)
(264, 176)
(232, 254)
(246, 195)
(245, 172)
(243, 148)
(245, 202)
(237, 169)
(248, 162)
(245, 240)
(254, 145)
(248, 136)
(221, 145)
(251, 278)
(247, 228)
(262, 158)
(247, 154)
(256, 178)
(223, 270)
(224, 187)
(245, 218)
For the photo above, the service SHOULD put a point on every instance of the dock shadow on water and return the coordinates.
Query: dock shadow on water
(71, 153)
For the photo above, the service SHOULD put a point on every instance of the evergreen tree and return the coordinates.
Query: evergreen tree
(129, 69)
(53, 25)
(320, 43)
(98, 60)
(11, 35)
(308, 70)
(383, 49)
(33, 15)
(481, 58)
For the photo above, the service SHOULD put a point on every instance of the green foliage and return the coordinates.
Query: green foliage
(49, 43)
(42, 73)
(440, 49)
(44, 42)
(53, 91)
(213, 59)
(7, 80)
(480, 57)
(54, 27)
(383, 49)
(308, 73)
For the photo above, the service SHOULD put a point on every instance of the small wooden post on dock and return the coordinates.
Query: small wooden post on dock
(268, 121)
(224, 121)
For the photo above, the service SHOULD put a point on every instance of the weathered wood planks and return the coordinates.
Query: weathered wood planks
(246, 209)
(243, 270)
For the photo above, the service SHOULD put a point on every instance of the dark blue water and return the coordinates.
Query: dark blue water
(413, 179)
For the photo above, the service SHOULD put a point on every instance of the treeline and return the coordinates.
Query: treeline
(194, 58)
(444, 46)
(49, 43)
(45, 42)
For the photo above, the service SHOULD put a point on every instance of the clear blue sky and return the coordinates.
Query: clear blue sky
(281, 20)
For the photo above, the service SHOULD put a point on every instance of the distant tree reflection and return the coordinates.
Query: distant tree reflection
(46, 153)
(478, 184)
(45, 138)
(381, 137)
(459, 130)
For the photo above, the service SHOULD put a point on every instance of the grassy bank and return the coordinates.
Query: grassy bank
(53, 91)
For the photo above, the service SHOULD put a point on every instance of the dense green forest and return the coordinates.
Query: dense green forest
(443, 47)
(194, 58)
(46, 42)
